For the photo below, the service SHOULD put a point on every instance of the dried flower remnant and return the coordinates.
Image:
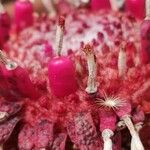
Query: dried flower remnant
(124, 113)
(122, 62)
(50, 6)
(59, 35)
(92, 69)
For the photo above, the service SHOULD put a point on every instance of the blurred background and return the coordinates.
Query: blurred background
(8, 4)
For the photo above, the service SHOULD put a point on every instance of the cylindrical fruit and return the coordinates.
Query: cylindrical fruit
(100, 4)
(136, 8)
(62, 76)
(4, 28)
(18, 80)
(23, 14)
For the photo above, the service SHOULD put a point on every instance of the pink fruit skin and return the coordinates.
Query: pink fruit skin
(145, 41)
(138, 115)
(24, 83)
(62, 77)
(107, 120)
(19, 80)
(100, 4)
(23, 14)
(136, 8)
(5, 86)
(4, 28)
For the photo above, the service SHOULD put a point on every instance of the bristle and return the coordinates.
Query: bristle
(110, 102)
